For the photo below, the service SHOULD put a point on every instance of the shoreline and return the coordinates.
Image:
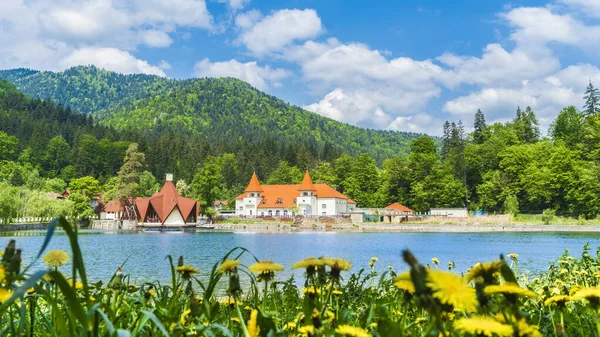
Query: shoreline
(405, 228)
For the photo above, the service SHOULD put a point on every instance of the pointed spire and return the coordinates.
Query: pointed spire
(307, 184)
(254, 185)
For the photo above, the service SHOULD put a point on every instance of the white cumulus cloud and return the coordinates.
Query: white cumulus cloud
(111, 59)
(251, 72)
(278, 30)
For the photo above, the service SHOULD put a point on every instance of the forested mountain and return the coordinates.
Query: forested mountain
(88, 89)
(215, 110)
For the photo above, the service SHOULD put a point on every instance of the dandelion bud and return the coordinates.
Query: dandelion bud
(316, 319)
(189, 289)
(9, 251)
(194, 306)
(234, 283)
(180, 262)
(15, 263)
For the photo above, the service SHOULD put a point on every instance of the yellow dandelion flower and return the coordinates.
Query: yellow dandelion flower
(483, 326)
(228, 266)
(253, 328)
(308, 263)
(289, 326)
(592, 295)
(513, 256)
(520, 326)
(78, 285)
(307, 330)
(574, 289)
(337, 292)
(509, 289)
(371, 264)
(435, 260)
(329, 316)
(230, 301)
(311, 290)
(374, 259)
(390, 267)
(56, 258)
(184, 316)
(187, 271)
(451, 289)
(484, 271)
(2, 273)
(235, 319)
(559, 300)
(337, 265)
(404, 281)
(563, 271)
(265, 266)
(4, 295)
(351, 331)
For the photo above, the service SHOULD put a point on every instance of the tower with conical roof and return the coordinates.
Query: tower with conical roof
(253, 196)
(307, 198)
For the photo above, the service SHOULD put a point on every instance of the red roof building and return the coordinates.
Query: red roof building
(167, 208)
(400, 208)
(305, 198)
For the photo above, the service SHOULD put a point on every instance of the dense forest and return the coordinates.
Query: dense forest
(499, 168)
(214, 110)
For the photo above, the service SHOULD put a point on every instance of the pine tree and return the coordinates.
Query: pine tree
(129, 175)
(592, 100)
(446, 140)
(480, 128)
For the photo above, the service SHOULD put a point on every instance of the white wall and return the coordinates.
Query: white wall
(451, 212)
(175, 218)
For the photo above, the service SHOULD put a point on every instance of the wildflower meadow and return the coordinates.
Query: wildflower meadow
(431, 299)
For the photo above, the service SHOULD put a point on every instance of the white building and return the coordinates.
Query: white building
(306, 199)
(450, 212)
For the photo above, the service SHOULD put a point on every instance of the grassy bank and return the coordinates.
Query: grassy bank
(490, 299)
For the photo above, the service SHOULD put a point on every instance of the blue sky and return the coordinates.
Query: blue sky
(399, 65)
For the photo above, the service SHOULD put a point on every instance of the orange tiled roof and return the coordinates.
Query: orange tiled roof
(113, 206)
(254, 185)
(284, 196)
(399, 207)
(165, 201)
(307, 184)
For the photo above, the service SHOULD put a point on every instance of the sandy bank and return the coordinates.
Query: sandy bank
(408, 228)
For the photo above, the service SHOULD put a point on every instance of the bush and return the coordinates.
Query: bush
(548, 216)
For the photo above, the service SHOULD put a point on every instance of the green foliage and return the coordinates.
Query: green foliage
(548, 216)
(511, 205)
(8, 146)
(568, 126)
(87, 186)
(148, 185)
(592, 100)
(208, 183)
(81, 206)
(129, 174)
(285, 174)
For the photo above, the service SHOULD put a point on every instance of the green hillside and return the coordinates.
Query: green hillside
(223, 109)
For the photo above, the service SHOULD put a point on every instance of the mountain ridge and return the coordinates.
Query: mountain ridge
(211, 107)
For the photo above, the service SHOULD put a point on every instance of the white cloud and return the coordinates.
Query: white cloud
(589, 7)
(251, 72)
(546, 96)
(45, 34)
(420, 123)
(164, 65)
(111, 59)
(156, 38)
(248, 19)
(278, 30)
(235, 4)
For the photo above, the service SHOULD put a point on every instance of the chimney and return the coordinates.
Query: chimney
(169, 177)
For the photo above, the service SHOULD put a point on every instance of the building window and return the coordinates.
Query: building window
(324, 206)
(285, 213)
(250, 212)
(262, 213)
(278, 202)
(324, 213)
(241, 208)
(277, 213)
(304, 193)
(270, 212)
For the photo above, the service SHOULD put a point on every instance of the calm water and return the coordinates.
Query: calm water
(104, 252)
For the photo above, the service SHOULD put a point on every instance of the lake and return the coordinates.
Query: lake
(105, 251)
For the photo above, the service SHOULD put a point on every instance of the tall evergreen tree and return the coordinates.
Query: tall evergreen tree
(480, 128)
(592, 100)
(446, 140)
(129, 175)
